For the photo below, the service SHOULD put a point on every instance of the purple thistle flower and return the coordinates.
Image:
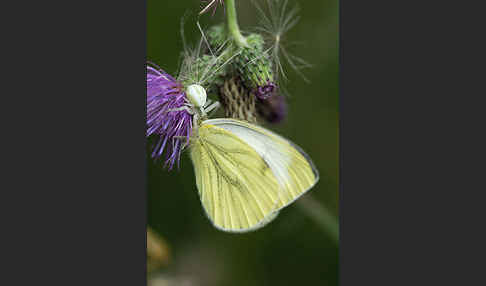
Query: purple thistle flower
(213, 4)
(164, 94)
(266, 91)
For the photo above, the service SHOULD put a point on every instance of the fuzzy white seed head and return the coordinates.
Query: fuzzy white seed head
(196, 94)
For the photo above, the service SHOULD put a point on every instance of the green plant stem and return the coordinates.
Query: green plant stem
(233, 28)
(321, 216)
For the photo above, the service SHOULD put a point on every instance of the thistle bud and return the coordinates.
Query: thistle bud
(254, 66)
(217, 36)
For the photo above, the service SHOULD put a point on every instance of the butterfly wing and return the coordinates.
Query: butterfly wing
(292, 167)
(238, 189)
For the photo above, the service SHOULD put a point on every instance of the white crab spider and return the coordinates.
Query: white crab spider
(198, 105)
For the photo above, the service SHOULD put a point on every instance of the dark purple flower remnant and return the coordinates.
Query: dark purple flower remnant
(164, 95)
(266, 91)
(273, 109)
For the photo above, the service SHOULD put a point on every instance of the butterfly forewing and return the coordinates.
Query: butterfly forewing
(238, 189)
(292, 167)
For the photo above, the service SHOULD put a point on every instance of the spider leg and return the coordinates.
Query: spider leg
(186, 141)
(187, 108)
(212, 108)
(179, 109)
(195, 120)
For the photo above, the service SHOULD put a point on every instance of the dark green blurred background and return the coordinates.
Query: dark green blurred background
(293, 249)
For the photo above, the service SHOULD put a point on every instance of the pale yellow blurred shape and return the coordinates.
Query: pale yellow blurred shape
(158, 254)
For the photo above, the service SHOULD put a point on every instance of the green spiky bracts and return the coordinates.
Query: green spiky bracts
(204, 70)
(255, 68)
(252, 63)
(246, 85)
(217, 36)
